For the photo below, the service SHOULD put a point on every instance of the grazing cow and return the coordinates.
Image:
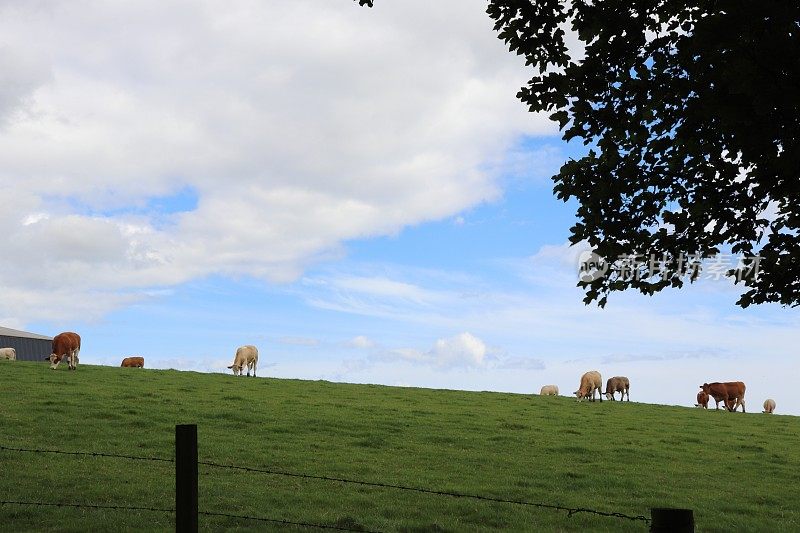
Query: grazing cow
(245, 356)
(8, 353)
(769, 406)
(549, 390)
(67, 344)
(133, 362)
(590, 382)
(730, 392)
(702, 400)
(619, 384)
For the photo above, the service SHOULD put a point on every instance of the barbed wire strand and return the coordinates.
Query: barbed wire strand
(90, 454)
(89, 506)
(205, 513)
(570, 510)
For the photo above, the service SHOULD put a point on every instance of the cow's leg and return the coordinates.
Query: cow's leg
(600, 394)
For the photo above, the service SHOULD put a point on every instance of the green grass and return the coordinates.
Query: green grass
(738, 472)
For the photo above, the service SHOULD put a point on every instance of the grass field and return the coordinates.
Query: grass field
(738, 472)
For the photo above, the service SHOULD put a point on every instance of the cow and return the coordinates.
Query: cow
(67, 344)
(8, 353)
(590, 382)
(549, 390)
(769, 406)
(133, 362)
(246, 356)
(702, 400)
(619, 384)
(730, 392)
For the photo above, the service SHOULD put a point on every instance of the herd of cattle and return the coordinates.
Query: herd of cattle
(730, 392)
(68, 345)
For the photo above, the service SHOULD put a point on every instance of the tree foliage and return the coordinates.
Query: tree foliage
(692, 112)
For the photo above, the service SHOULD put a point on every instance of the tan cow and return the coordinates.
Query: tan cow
(549, 390)
(67, 344)
(133, 362)
(590, 382)
(769, 406)
(8, 353)
(246, 356)
(619, 384)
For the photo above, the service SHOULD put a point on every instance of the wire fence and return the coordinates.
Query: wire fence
(571, 511)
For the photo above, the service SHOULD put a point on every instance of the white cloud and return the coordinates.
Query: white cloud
(292, 143)
(361, 342)
(464, 349)
(458, 352)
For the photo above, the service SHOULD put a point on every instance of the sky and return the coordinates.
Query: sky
(355, 191)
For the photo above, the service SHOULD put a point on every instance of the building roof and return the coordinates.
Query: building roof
(8, 332)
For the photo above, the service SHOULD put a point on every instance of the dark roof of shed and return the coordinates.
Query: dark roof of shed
(8, 332)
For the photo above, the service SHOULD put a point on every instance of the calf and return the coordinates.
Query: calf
(549, 390)
(8, 353)
(619, 384)
(702, 400)
(133, 362)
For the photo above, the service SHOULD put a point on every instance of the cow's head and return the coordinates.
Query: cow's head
(54, 360)
(580, 394)
(237, 369)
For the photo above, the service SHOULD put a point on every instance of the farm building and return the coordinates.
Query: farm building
(29, 346)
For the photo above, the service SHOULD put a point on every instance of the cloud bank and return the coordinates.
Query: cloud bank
(147, 144)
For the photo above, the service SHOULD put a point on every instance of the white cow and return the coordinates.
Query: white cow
(246, 356)
(769, 406)
(549, 390)
(8, 353)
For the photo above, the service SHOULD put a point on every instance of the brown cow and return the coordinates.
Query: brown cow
(67, 344)
(702, 400)
(133, 362)
(619, 384)
(730, 392)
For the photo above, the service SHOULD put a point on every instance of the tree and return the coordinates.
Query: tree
(692, 112)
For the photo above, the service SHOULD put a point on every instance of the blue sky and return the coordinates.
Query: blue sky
(373, 207)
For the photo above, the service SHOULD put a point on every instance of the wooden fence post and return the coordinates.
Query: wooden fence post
(186, 478)
(666, 520)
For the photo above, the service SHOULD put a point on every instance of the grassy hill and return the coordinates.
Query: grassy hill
(738, 472)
